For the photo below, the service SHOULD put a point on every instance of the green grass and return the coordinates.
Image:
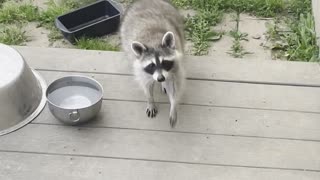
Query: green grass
(12, 12)
(265, 8)
(12, 35)
(12, 17)
(300, 44)
(210, 12)
(47, 18)
(95, 44)
(54, 10)
(297, 7)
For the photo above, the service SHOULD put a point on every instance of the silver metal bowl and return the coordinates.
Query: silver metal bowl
(74, 99)
(22, 91)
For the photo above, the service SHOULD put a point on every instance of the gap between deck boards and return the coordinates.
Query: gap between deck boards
(215, 120)
(205, 105)
(163, 161)
(209, 93)
(196, 79)
(179, 132)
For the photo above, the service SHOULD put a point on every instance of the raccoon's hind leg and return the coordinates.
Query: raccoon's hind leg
(151, 108)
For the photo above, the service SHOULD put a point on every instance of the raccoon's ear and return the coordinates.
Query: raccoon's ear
(138, 48)
(168, 40)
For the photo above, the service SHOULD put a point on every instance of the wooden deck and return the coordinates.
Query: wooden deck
(239, 120)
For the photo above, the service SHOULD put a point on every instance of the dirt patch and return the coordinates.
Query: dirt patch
(37, 36)
(256, 29)
(223, 46)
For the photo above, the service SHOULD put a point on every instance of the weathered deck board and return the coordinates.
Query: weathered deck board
(219, 68)
(208, 120)
(165, 146)
(213, 93)
(22, 166)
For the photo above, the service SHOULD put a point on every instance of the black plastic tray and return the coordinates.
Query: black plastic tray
(94, 20)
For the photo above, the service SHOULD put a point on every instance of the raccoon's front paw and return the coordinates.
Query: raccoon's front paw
(173, 119)
(151, 111)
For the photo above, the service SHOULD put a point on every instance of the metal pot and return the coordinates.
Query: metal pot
(74, 99)
(22, 91)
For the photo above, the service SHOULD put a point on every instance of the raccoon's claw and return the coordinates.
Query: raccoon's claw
(164, 90)
(173, 120)
(151, 112)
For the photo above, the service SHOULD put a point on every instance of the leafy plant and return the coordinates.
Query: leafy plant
(302, 41)
(299, 44)
(199, 32)
(237, 50)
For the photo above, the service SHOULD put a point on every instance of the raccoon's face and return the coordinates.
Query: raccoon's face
(158, 66)
(159, 62)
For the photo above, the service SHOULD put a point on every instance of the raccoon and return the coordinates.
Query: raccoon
(152, 38)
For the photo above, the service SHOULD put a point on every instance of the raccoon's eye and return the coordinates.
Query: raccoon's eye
(167, 65)
(151, 68)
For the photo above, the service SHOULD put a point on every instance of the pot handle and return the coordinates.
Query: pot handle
(74, 116)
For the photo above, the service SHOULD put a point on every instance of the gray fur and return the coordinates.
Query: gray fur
(145, 24)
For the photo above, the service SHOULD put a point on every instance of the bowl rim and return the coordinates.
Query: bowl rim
(101, 90)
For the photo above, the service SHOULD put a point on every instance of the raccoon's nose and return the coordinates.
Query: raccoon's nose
(161, 78)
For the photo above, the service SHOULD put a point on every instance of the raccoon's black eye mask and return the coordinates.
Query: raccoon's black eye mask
(165, 65)
(150, 69)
